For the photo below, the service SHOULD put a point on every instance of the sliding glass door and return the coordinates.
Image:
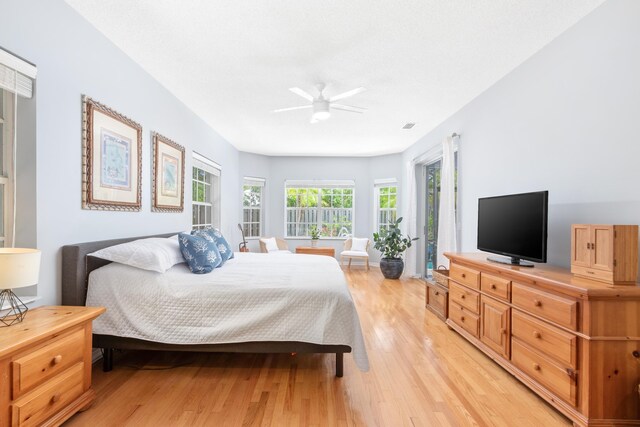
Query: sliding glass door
(432, 207)
(432, 173)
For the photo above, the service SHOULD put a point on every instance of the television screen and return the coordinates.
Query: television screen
(514, 225)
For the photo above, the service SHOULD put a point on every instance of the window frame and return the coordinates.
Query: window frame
(7, 122)
(320, 185)
(208, 166)
(377, 186)
(254, 182)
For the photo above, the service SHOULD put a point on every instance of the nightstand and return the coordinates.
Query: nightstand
(45, 366)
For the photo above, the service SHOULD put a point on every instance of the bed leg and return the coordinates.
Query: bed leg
(107, 359)
(339, 364)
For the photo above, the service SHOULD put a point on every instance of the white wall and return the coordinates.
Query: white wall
(73, 58)
(566, 121)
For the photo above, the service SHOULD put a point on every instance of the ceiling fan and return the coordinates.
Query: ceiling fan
(322, 106)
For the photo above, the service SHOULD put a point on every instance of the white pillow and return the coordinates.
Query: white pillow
(359, 245)
(155, 253)
(270, 244)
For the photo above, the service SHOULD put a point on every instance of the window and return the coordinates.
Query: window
(6, 172)
(326, 204)
(386, 199)
(252, 202)
(206, 192)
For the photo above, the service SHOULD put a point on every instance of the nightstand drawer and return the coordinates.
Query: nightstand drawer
(40, 365)
(43, 402)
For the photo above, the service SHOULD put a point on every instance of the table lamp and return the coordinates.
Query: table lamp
(19, 267)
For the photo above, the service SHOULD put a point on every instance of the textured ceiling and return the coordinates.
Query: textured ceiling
(233, 61)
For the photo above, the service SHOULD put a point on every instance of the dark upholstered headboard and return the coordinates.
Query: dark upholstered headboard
(76, 266)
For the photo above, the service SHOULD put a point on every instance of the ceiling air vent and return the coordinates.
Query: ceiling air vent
(408, 125)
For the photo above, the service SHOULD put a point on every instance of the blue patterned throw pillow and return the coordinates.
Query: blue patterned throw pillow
(201, 253)
(223, 246)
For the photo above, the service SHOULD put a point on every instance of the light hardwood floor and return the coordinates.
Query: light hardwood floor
(422, 374)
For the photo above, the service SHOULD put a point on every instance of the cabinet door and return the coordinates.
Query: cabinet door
(580, 244)
(495, 328)
(602, 247)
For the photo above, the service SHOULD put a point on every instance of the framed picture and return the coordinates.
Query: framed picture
(112, 163)
(167, 175)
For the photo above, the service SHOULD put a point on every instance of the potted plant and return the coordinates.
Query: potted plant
(392, 244)
(315, 235)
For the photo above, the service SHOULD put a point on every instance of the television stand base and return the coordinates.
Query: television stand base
(511, 261)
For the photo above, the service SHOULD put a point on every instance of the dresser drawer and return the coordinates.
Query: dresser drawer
(545, 338)
(465, 319)
(495, 286)
(562, 311)
(464, 275)
(40, 365)
(544, 371)
(437, 300)
(40, 404)
(465, 297)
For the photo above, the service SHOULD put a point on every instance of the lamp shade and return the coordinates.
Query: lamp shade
(19, 267)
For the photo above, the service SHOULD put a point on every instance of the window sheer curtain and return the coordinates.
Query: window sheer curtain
(447, 238)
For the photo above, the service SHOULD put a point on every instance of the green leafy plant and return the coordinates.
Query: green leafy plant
(315, 233)
(391, 242)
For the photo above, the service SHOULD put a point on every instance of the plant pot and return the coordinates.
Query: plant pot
(391, 267)
(314, 243)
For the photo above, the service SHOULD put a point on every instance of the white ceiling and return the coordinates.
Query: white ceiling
(232, 61)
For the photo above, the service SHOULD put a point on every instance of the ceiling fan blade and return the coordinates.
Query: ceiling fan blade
(347, 94)
(291, 108)
(348, 108)
(302, 93)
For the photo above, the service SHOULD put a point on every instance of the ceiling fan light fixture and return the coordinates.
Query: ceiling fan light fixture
(321, 110)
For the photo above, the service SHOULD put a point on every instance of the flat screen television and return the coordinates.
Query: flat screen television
(515, 226)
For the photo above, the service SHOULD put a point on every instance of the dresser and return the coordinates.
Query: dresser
(45, 366)
(573, 341)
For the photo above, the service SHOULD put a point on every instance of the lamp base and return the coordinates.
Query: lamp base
(16, 311)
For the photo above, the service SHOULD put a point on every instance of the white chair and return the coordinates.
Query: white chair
(281, 243)
(355, 248)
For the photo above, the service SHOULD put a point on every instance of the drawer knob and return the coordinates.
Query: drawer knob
(462, 318)
(55, 398)
(536, 367)
(437, 293)
(462, 296)
(537, 303)
(493, 286)
(537, 334)
(56, 359)
(503, 331)
(464, 275)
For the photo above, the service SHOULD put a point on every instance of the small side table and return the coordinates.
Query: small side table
(45, 363)
(316, 250)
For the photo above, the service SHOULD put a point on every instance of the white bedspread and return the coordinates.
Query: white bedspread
(253, 297)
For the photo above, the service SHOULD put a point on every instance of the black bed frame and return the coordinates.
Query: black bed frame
(76, 266)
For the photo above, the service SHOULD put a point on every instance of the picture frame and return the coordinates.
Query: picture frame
(167, 175)
(111, 159)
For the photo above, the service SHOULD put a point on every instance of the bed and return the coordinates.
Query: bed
(256, 303)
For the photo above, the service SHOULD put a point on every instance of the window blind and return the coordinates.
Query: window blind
(385, 182)
(347, 183)
(16, 75)
(254, 182)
